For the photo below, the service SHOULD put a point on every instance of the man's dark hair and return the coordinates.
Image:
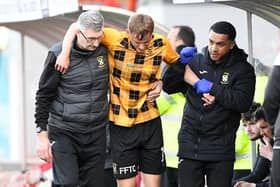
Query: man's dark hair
(259, 114)
(249, 116)
(186, 34)
(224, 27)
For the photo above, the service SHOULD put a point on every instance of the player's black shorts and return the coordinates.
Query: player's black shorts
(137, 148)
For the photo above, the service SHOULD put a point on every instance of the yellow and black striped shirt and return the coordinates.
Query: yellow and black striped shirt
(132, 75)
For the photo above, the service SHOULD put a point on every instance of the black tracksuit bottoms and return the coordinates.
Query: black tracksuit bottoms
(78, 158)
(193, 173)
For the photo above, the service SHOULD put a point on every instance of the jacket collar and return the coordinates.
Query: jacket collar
(76, 50)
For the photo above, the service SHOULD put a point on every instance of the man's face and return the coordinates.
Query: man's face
(252, 130)
(172, 37)
(140, 43)
(219, 46)
(264, 128)
(89, 39)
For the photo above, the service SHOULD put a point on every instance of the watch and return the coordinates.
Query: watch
(39, 129)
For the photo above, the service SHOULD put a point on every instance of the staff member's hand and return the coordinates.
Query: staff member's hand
(208, 99)
(244, 184)
(43, 146)
(266, 149)
(155, 91)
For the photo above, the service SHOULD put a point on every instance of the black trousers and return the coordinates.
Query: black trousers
(78, 159)
(237, 174)
(275, 177)
(109, 178)
(192, 173)
(169, 178)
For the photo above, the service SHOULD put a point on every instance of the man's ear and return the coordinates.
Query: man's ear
(232, 44)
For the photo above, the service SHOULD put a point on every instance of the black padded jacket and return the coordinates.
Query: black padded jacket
(77, 100)
(208, 133)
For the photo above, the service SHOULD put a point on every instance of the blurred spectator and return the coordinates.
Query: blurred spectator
(243, 161)
(260, 174)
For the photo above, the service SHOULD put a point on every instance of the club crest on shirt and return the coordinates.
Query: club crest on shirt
(225, 78)
(101, 62)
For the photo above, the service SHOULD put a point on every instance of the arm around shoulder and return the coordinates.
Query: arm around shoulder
(63, 59)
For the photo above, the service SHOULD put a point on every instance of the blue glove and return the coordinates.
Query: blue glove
(186, 54)
(203, 86)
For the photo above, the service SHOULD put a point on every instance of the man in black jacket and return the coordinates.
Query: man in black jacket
(72, 109)
(272, 108)
(180, 36)
(220, 89)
